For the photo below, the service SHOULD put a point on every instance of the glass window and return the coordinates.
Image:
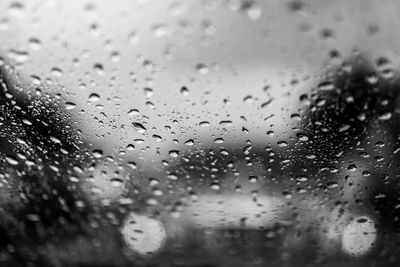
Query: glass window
(199, 133)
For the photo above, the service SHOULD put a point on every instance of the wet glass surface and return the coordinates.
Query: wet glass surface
(199, 133)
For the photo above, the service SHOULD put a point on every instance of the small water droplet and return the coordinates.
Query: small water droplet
(18, 56)
(174, 153)
(133, 38)
(97, 153)
(34, 44)
(326, 86)
(352, 167)
(184, 91)
(70, 105)
(115, 56)
(133, 112)
(157, 138)
(56, 72)
(215, 186)
(55, 140)
(16, 9)
(94, 97)
(27, 122)
(138, 127)
(11, 160)
(172, 177)
(344, 128)
(160, 30)
(385, 116)
(148, 91)
(253, 178)
(202, 68)
(204, 123)
(218, 140)
(189, 142)
(148, 65)
(302, 137)
(225, 123)
(282, 144)
(131, 165)
(99, 69)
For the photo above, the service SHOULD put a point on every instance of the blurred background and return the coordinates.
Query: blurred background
(199, 133)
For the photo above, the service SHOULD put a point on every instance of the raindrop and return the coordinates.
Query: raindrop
(224, 152)
(11, 160)
(157, 138)
(160, 30)
(202, 68)
(115, 56)
(218, 140)
(184, 91)
(174, 153)
(204, 123)
(172, 177)
(133, 112)
(148, 65)
(34, 44)
(94, 97)
(208, 27)
(215, 186)
(55, 140)
(148, 91)
(70, 105)
(56, 72)
(16, 9)
(385, 116)
(326, 86)
(97, 153)
(344, 128)
(226, 123)
(282, 144)
(302, 137)
(252, 10)
(131, 165)
(18, 56)
(27, 122)
(253, 179)
(189, 142)
(116, 182)
(133, 38)
(248, 99)
(99, 69)
(352, 167)
(138, 127)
